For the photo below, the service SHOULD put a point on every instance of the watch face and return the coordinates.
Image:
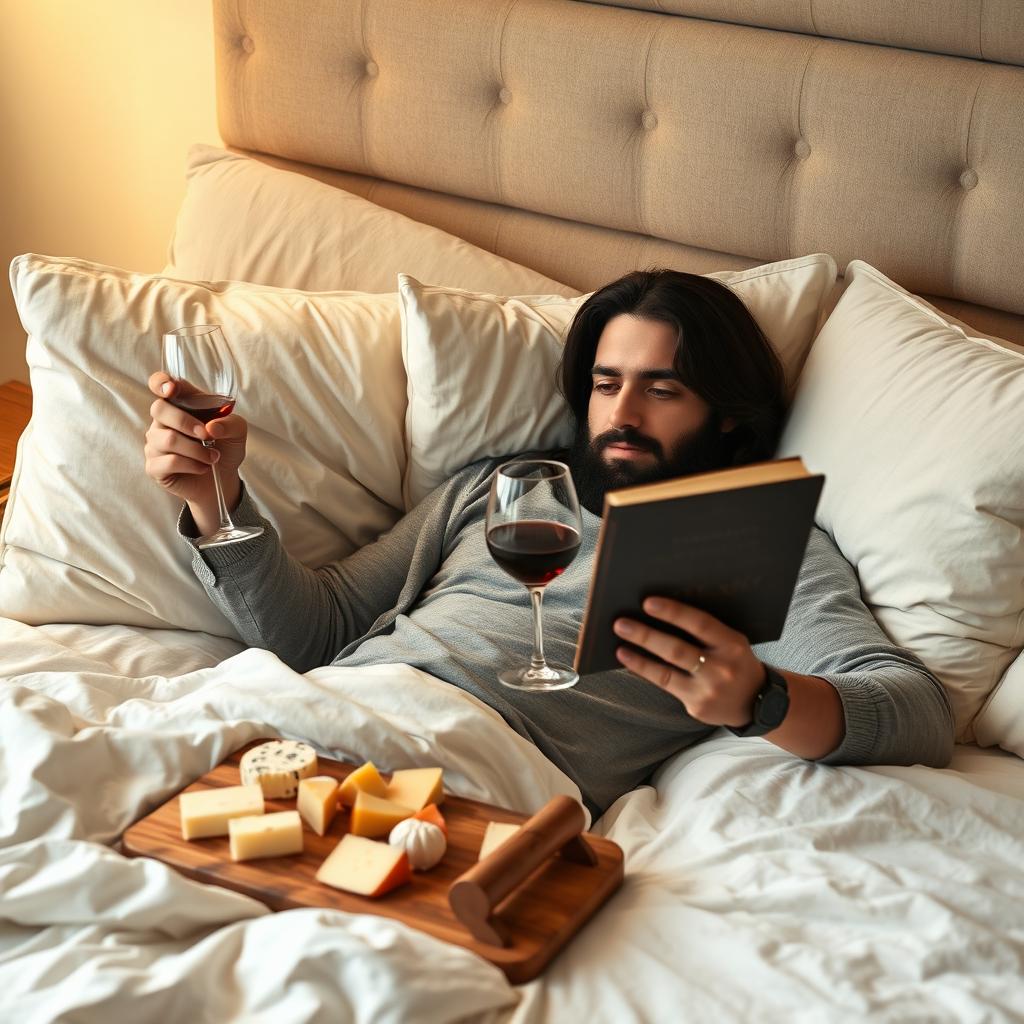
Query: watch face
(774, 705)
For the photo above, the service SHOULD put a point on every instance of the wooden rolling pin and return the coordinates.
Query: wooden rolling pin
(555, 829)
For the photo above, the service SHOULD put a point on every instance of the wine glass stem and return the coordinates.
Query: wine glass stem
(222, 508)
(537, 662)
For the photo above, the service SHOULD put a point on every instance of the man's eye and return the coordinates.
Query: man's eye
(663, 393)
(605, 387)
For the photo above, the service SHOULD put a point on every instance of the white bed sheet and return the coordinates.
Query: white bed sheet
(758, 887)
(761, 887)
(89, 935)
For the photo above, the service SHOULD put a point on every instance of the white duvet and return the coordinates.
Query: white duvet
(758, 887)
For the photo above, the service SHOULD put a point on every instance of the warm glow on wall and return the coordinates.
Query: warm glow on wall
(98, 105)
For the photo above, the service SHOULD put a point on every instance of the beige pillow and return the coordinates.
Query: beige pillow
(481, 368)
(88, 537)
(243, 220)
(917, 427)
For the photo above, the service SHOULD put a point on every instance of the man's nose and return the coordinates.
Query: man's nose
(626, 410)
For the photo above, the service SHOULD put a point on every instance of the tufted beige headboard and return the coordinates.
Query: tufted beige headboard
(586, 140)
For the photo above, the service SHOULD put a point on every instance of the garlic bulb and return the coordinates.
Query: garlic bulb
(424, 843)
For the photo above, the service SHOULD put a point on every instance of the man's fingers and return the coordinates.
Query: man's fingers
(710, 631)
(656, 672)
(667, 647)
(166, 386)
(165, 466)
(228, 428)
(161, 384)
(166, 415)
(163, 441)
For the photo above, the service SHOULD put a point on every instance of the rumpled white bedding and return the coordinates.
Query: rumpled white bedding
(86, 934)
(758, 887)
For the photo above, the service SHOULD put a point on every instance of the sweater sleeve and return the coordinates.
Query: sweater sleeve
(896, 711)
(305, 616)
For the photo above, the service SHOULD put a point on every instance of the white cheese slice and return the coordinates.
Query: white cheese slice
(318, 802)
(208, 811)
(265, 835)
(496, 834)
(277, 766)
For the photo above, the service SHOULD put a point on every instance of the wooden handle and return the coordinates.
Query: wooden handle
(555, 828)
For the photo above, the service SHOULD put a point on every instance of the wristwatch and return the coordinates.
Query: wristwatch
(770, 706)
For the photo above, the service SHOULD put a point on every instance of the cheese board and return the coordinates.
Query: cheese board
(516, 908)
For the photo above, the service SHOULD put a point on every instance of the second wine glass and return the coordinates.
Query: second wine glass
(533, 533)
(198, 359)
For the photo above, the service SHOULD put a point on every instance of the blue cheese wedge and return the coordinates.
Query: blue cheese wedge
(276, 767)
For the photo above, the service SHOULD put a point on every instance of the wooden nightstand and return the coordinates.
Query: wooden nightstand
(15, 410)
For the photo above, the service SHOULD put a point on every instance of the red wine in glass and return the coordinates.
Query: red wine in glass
(533, 532)
(534, 551)
(204, 407)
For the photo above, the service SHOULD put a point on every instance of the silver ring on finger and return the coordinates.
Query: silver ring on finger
(701, 662)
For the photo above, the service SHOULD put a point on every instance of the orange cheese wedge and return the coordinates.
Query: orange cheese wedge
(365, 778)
(373, 817)
(365, 867)
(416, 787)
(433, 815)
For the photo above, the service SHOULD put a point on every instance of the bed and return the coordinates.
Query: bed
(408, 210)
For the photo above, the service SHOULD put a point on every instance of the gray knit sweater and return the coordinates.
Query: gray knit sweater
(428, 594)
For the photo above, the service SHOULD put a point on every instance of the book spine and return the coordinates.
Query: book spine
(606, 536)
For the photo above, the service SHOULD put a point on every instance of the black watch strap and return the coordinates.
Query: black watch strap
(771, 703)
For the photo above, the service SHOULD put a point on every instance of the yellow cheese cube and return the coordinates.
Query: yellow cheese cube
(208, 811)
(365, 778)
(497, 832)
(318, 802)
(416, 787)
(365, 867)
(265, 835)
(372, 816)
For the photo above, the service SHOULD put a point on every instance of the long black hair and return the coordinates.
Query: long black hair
(722, 354)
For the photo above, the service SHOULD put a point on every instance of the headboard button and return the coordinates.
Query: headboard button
(247, 44)
(969, 179)
(802, 149)
(372, 71)
(505, 95)
(649, 120)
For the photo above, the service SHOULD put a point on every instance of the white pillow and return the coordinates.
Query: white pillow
(88, 537)
(481, 368)
(1001, 720)
(917, 427)
(243, 220)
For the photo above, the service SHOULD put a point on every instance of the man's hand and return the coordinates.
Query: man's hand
(177, 460)
(720, 689)
(716, 682)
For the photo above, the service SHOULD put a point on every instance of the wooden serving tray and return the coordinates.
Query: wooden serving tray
(535, 920)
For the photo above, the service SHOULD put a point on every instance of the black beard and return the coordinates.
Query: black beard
(706, 450)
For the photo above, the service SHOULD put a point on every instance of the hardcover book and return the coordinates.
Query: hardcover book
(729, 542)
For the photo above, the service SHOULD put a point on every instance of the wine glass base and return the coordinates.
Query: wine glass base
(229, 535)
(539, 680)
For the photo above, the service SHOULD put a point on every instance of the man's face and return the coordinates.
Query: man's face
(643, 424)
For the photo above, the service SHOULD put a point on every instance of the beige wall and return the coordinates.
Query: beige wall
(99, 102)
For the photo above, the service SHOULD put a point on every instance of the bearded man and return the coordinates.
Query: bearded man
(666, 374)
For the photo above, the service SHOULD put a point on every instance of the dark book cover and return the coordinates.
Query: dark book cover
(734, 553)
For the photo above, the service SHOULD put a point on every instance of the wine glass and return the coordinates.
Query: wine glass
(198, 359)
(533, 533)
